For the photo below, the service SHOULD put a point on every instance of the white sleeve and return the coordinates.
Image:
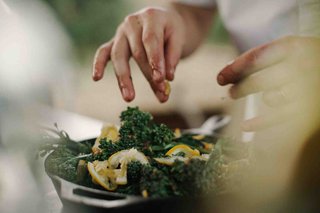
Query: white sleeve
(200, 3)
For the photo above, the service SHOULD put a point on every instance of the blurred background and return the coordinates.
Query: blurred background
(47, 49)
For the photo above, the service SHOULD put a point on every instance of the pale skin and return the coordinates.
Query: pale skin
(156, 38)
(286, 70)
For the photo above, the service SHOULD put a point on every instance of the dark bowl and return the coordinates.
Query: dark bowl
(78, 198)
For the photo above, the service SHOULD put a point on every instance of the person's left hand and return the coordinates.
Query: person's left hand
(286, 71)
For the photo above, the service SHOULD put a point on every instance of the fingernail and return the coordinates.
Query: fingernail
(125, 92)
(221, 79)
(162, 97)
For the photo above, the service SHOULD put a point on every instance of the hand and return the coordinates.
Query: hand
(154, 37)
(286, 71)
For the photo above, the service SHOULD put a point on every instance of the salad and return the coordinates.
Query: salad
(147, 159)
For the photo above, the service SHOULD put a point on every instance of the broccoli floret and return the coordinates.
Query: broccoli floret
(227, 167)
(129, 189)
(187, 176)
(136, 116)
(155, 182)
(108, 148)
(63, 162)
(161, 135)
(134, 172)
(213, 174)
(138, 131)
(134, 130)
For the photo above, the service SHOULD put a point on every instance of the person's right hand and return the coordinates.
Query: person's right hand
(154, 37)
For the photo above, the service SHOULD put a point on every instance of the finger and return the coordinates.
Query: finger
(255, 60)
(267, 79)
(173, 50)
(133, 31)
(152, 38)
(277, 117)
(101, 59)
(162, 96)
(304, 89)
(159, 89)
(120, 58)
(283, 95)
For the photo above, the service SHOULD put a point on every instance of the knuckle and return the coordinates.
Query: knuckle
(138, 54)
(252, 58)
(115, 55)
(150, 11)
(130, 19)
(121, 29)
(104, 47)
(149, 36)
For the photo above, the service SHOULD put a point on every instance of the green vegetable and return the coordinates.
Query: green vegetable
(138, 131)
(156, 182)
(63, 162)
(134, 172)
(188, 176)
(183, 178)
(65, 155)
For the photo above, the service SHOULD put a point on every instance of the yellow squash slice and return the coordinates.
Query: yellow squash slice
(183, 148)
(122, 158)
(109, 132)
(101, 174)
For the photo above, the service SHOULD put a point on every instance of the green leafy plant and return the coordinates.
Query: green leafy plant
(183, 177)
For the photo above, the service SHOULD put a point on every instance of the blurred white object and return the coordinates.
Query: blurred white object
(77, 126)
(35, 52)
(16, 180)
(34, 62)
(211, 125)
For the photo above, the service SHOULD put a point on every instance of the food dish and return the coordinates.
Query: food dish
(140, 160)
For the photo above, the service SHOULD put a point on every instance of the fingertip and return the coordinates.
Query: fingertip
(127, 94)
(162, 97)
(170, 74)
(96, 77)
(128, 100)
(221, 79)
